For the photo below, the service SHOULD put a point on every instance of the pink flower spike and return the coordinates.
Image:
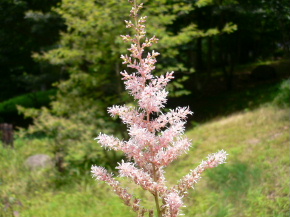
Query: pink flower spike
(165, 156)
(194, 176)
(142, 136)
(155, 138)
(129, 115)
(140, 177)
(172, 117)
(101, 173)
(213, 160)
(174, 203)
(168, 136)
(109, 142)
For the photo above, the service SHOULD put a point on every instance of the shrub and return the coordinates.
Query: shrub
(282, 98)
(35, 100)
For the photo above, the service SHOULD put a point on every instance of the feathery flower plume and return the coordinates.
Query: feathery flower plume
(154, 141)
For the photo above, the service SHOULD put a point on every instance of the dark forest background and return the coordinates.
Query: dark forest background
(71, 49)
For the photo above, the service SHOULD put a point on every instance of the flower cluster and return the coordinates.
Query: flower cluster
(156, 138)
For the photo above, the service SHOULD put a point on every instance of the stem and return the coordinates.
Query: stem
(156, 193)
(137, 33)
(147, 112)
(154, 178)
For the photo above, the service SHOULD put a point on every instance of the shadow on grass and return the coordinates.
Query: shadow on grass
(230, 184)
(233, 179)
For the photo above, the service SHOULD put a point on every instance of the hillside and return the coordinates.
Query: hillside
(254, 182)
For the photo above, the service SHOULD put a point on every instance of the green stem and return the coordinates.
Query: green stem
(148, 119)
(156, 193)
(154, 178)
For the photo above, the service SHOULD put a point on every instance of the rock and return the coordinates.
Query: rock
(38, 161)
(263, 73)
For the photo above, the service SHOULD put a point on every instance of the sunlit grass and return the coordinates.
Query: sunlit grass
(255, 180)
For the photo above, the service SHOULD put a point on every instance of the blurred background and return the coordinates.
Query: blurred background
(59, 71)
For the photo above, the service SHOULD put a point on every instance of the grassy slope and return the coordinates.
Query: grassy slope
(254, 182)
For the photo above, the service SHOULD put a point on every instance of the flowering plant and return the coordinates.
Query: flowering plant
(154, 141)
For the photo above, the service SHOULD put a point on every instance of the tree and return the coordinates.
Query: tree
(89, 51)
(261, 34)
(20, 36)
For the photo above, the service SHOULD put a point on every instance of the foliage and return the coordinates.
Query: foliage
(81, 100)
(282, 98)
(70, 143)
(8, 108)
(91, 45)
(193, 37)
(35, 100)
(89, 51)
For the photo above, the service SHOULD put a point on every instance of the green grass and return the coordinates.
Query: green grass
(254, 182)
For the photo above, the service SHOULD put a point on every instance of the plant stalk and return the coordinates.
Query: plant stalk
(156, 193)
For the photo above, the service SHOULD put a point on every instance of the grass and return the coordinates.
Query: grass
(254, 182)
